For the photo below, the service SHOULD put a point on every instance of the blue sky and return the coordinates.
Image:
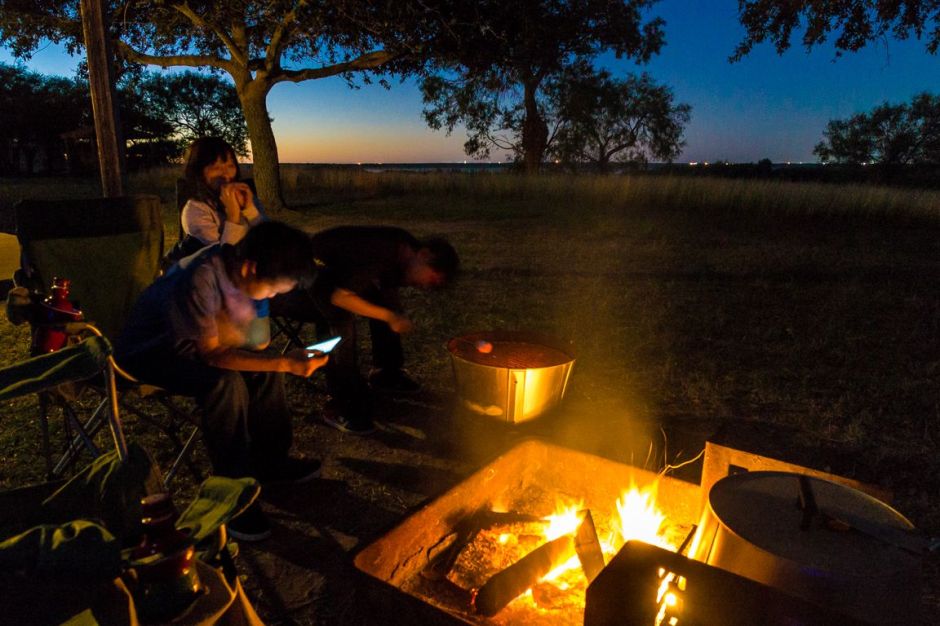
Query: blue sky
(764, 106)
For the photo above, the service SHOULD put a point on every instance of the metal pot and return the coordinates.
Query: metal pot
(511, 389)
(843, 548)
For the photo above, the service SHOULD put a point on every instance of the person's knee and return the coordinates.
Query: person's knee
(228, 388)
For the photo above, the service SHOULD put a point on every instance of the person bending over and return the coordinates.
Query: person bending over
(222, 208)
(360, 270)
(197, 332)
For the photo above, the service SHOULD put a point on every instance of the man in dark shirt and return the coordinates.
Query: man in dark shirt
(197, 332)
(360, 270)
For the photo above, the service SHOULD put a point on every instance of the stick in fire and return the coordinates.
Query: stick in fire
(512, 582)
(588, 546)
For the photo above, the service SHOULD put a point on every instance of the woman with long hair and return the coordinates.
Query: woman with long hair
(221, 207)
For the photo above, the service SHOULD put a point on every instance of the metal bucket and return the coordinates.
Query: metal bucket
(508, 387)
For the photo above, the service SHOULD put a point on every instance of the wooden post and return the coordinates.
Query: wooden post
(103, 105)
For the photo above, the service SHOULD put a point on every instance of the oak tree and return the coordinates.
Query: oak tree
(603, 119)
(890, 134)
(258, 43)
(493, 58)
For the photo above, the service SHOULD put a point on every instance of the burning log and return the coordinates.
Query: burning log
(513, 581)
(444, 556)
(588, 547)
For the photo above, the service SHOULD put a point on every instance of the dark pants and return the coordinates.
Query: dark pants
(246, 423)
(344, 380)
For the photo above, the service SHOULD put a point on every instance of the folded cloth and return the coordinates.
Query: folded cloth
(79, 550)
(218, 501)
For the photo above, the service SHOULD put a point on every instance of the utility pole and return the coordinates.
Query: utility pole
(100, 80)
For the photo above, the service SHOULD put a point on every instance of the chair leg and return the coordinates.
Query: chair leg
(84, 436)
(291, 331)
(184, 455)
(44, 426)
(172, 430)
(114, 413)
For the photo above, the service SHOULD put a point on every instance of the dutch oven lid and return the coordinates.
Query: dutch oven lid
(851, 533)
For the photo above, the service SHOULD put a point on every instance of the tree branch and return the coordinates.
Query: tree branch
(239, 55)
(188, 60)
(272, 53)
(367, 61)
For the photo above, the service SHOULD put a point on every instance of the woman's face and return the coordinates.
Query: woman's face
(222, 171)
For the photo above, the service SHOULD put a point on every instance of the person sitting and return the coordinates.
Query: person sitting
(197, 332)
(360, 270)
(222, 208)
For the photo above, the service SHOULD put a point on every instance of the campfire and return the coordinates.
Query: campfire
(520, 541)
(550, 535)
(528, 569)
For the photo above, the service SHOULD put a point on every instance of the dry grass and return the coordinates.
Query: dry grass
(693, 302)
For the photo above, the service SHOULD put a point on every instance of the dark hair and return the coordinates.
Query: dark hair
(278, 250)
(443, 257)
(204, 152)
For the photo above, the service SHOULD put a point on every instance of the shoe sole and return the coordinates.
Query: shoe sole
(297, 481)
(344, 429)
(247, 537)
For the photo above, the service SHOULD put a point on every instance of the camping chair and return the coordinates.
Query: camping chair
(76, 363)
(110, 250)
(68, 549)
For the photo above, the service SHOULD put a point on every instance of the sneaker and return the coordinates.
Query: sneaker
(292, 471)
(393, 381)
(342, 423)
(252, 525)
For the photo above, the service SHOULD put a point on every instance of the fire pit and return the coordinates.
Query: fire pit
(428, 568)
(549, 535)
(512, 376)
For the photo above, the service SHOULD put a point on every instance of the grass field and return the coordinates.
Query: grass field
(694, 304)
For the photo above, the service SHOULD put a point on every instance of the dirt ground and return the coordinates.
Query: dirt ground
(687, 326)
(304, 573)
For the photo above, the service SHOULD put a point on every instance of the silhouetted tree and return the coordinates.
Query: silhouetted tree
(35, 110)
(853, 23)
(194, 105)
(602, 119)
(891, 134)
(160, 115)
(494, 58)
(258, 43)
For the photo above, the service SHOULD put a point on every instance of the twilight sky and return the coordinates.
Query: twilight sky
(764, 106)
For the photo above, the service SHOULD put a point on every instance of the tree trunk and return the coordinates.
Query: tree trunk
(534, 132)
(267, 169)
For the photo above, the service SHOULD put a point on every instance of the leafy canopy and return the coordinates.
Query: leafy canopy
(891, 134)
(853, 23)
(493, 58)
(602, 119)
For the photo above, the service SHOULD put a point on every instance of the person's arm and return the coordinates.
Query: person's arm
(350, 301)
(295, 362)
(201, 221)
(232, 198)
(253, 212)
